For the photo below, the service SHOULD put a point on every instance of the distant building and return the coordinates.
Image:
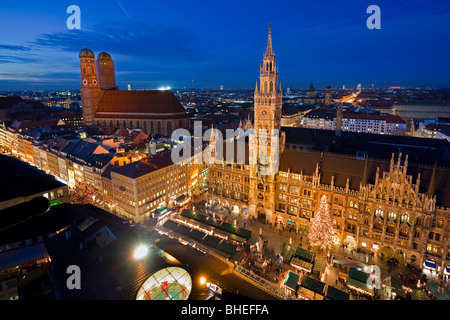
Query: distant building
(355, 122)
(421, 109)
(137, 189)
(153, 111)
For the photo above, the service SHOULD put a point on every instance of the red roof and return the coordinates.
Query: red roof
(148, 103)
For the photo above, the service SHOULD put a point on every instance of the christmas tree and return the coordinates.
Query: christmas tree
(84, 193)
(321, 234)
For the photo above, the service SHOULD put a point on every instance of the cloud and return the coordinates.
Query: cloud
(135, 39)
(16, 59)
(13, 47)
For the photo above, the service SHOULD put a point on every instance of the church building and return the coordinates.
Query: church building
(153, 111)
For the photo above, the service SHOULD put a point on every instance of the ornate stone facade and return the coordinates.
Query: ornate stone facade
(376, 205)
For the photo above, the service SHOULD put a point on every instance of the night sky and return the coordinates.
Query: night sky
(167, 43)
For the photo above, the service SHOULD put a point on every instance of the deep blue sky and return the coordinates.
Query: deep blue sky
(219, 42)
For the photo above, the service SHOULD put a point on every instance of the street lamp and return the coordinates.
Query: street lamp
(202, 281)
(140, 252)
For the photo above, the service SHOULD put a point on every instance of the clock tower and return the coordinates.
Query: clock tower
(266, 143)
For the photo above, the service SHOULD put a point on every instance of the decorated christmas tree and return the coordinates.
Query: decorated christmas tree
(321, 234)
(86, 194)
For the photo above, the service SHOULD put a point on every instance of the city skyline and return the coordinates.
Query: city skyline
(214, 45)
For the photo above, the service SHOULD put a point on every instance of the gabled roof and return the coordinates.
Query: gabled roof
(148, 103)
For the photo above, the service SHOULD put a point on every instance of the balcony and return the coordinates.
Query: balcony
(390, 234)
(378, 231)
(403, 237)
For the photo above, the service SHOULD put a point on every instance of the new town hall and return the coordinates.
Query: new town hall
(377, 205)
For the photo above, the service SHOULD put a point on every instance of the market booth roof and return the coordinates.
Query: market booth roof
(292, 280)
(287, 253)
(417, 294)
(313, 285)
(180, 198)
(304, 254)
(359, 280)
(160, 211)
(301, 264)
(336, 294)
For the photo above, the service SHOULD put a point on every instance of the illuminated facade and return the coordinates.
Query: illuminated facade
(394, 208)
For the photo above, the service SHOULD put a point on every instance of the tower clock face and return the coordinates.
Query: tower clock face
(263, 159)
(264, 113)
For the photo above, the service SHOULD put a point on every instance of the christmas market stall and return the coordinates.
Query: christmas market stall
(397, 288)
(360, 282)
(291, 282)
(334, 293)
(311, 289)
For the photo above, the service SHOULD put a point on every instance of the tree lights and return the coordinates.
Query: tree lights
(321, 234)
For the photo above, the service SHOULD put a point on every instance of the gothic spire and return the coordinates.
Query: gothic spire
(269, 50)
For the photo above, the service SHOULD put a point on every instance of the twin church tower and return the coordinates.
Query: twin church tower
(95, 76)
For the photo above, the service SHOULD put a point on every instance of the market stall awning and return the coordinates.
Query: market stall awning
(252, 240)
(336, 294)
(359, 285)
(430, 264)
(358, 275)
(397, 286)
(301, 264)
(170, 224)
(160, 211)
(180, 198)
(320, 265)
(313, 285)
(237, 256)
(197, 235)
(417, 294)
(236, 238)
(305, 293)
(304, 254)
(287, 253)
(292, 280)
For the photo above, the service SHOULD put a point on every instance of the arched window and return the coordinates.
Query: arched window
(152, 127)
(169, 127)
(390, 228)
(124, 124)
(271, 86)
(159, 127)
(379, 212)
(405, 217)
(138, 124)
(392, 215)
(180, 124)
(265, 86)
(404, 231)
(145, 127)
